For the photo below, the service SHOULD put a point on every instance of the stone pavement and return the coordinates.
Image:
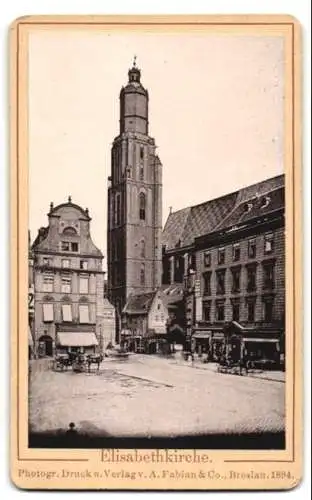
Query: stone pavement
(153, 396)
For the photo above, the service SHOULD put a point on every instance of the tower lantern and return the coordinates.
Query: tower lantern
(134, 103)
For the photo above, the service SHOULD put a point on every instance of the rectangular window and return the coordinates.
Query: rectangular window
(236, 274)
(268, 243)
(48, 282)
(207, 283)
(252, 248)
(251, 278)
(268, 275)
(235, 311)
(220, 282)
(66, 284)
(207, 311)
(48, 313)
(67, 312)
(268, 311)
(236, 251)
(83, 284)
(84, 264)
(221, 255)
(84, 314)
(65, 246)
(207, 259)
(74, 247)
(220, 311)
(65, 263)
(141, 152)
(251, 311)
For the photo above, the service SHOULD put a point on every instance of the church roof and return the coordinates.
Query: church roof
(255, 207)
(183, 226)
(139, 304)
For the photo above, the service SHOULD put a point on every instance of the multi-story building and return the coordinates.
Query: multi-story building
(235, 246)
(31, 304)
(134, 201)
(68, 282)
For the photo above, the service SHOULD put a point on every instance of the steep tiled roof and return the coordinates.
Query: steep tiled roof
(183, 226)
(255, 207)
(139, 304)
(175, 227)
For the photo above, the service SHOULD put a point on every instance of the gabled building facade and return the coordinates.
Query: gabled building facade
(68, 280)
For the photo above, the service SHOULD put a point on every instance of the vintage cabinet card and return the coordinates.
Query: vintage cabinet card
(156, 266)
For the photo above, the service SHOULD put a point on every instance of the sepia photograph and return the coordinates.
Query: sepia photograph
(158, 184)
(140, 317)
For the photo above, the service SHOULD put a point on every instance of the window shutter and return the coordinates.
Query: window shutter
(48, 312)
(67, 312)
(84, 284)
(84, 314)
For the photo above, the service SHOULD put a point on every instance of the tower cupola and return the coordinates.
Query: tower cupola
(134, 103)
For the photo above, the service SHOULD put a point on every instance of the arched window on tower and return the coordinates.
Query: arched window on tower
(142, 274)
(142, 248)
(142, 200)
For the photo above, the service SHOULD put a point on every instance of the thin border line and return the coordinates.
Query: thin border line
(120, 23)
(145, 23)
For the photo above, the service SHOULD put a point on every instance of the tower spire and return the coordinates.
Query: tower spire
(134, 60)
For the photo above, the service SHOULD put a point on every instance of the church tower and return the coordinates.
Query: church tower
(134, 200)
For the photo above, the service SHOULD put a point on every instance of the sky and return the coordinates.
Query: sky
(215, 111)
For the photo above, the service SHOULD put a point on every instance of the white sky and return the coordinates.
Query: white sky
(215, 111)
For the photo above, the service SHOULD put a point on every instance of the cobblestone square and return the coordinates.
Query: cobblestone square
(153, 396)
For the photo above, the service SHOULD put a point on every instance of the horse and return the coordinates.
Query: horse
(62, 361)
(94, 359)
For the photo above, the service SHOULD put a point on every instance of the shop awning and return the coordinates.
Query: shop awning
(201, 335)
(77, 339)
(260, 340)
(218, 336)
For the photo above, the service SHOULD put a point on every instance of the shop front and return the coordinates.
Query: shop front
(258, 346)
(209, 342)
(74, 343)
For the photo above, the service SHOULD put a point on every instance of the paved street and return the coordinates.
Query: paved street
(150, 396)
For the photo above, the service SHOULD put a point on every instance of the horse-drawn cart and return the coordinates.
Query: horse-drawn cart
(78, 351)
(78, 362)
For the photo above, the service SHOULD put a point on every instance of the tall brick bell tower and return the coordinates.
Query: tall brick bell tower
(134, 200)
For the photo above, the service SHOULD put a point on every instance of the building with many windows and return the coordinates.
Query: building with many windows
(235, 247)
(68, 283)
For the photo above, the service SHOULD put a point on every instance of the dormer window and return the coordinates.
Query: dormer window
(67, 246)
(265, 201)
(248, 206)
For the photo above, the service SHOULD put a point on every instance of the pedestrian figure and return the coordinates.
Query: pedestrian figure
(71, 436)
(71, 431)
